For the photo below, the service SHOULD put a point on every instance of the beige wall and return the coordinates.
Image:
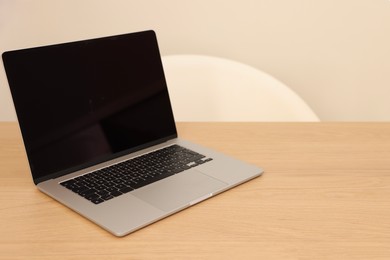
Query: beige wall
(334, 53)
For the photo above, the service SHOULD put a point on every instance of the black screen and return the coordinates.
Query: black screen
(85, 102)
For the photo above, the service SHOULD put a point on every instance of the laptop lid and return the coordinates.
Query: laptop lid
(85, 102)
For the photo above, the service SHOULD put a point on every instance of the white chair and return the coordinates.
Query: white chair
(204, 88)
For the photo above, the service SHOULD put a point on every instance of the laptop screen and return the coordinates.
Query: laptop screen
(85, 102)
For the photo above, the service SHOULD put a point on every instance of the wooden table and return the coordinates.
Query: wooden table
(325, 194)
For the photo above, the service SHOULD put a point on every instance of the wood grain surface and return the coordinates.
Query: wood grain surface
(325, 194)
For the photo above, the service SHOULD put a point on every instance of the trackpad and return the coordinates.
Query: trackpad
(179, 190)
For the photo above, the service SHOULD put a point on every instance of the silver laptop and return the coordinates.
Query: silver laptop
(100, 135)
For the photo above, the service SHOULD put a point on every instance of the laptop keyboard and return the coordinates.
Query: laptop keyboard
(115, 180)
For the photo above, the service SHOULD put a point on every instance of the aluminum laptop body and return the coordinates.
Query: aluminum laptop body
(91, 108)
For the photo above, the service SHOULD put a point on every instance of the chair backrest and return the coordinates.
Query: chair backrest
(204, 88)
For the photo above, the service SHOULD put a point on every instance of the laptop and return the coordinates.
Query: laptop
(100, 135)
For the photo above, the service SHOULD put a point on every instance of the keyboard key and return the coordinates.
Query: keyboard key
(97, 201)
(68, 183)
(91, 196)
(116, 193)
(126, 189)
(102, 192)
(107, 197)
(87, 192)
(112, 189)
(120, 186)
